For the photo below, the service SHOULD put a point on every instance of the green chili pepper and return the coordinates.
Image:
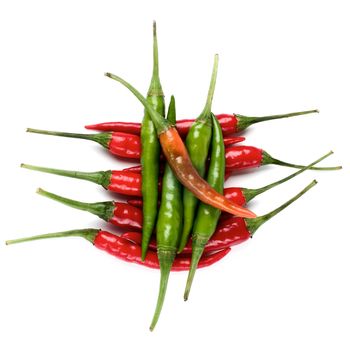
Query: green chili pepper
(208, 216)
(169, 224)
(197, 144)
(150, 152)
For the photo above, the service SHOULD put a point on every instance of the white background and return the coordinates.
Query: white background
(288, 288)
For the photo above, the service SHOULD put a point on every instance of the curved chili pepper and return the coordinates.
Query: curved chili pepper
(178, 159)
(242, 195)
(151, 151)
(230, 123)
(169, 225)
(116, 213)
(118, 143)
(125, 249)
(197, 144)
(232, 231)
(207, 216)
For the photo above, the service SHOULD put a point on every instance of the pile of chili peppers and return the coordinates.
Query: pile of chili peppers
(177, 214)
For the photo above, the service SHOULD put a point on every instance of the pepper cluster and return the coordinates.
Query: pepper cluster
(177, 193)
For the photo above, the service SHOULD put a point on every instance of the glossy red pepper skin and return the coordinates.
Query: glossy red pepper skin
(125, 182)
(236, 157)
(125, 145)
(131, 252)
(228, 124)
(229, 232)
(236, 195)
(243, 157)
(126, 216)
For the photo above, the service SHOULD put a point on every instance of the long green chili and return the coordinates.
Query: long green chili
(169, 224)
(150, 152)
(207, 216)
(197, 144)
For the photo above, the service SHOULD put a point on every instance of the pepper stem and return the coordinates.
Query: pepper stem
(244, 121)
(206, 113)
(267, 159)
(89, 234)
(102, 138)
(249, 194)
(155, 88)
(159, 122)
(104, 210)
(99, 177)
(198, 244)
(254, 224)
(166, 258)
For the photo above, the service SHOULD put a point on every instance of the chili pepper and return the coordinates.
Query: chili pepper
(229, 232)
(244, 157)
(116, 213)
(178, 159)
(197, 144)
(122, 182)
(125, 182)
(207, 216)
(125, 249)
(243, 228)
(118, 143)
(237, 157)
(169, 225)
(247, 157)
(230, 123)
(151, 151)
(241, 195)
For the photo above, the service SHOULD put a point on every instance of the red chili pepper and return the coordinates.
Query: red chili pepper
(232, 231)
(117, 213)
(118, 143)
(119, 181)
(125, 249)
(230, 123)
(247, 157)
(121, 144)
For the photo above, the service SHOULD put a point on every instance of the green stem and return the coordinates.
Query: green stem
(104, 210)
(244, 121)
(198, 244)
(103, 138)
(99, 177)
(89, 234)
(166, 258)
(267, 159)
(155, 88)
(206, 113)
(159, 122)
(249, 194)
(254, 224)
